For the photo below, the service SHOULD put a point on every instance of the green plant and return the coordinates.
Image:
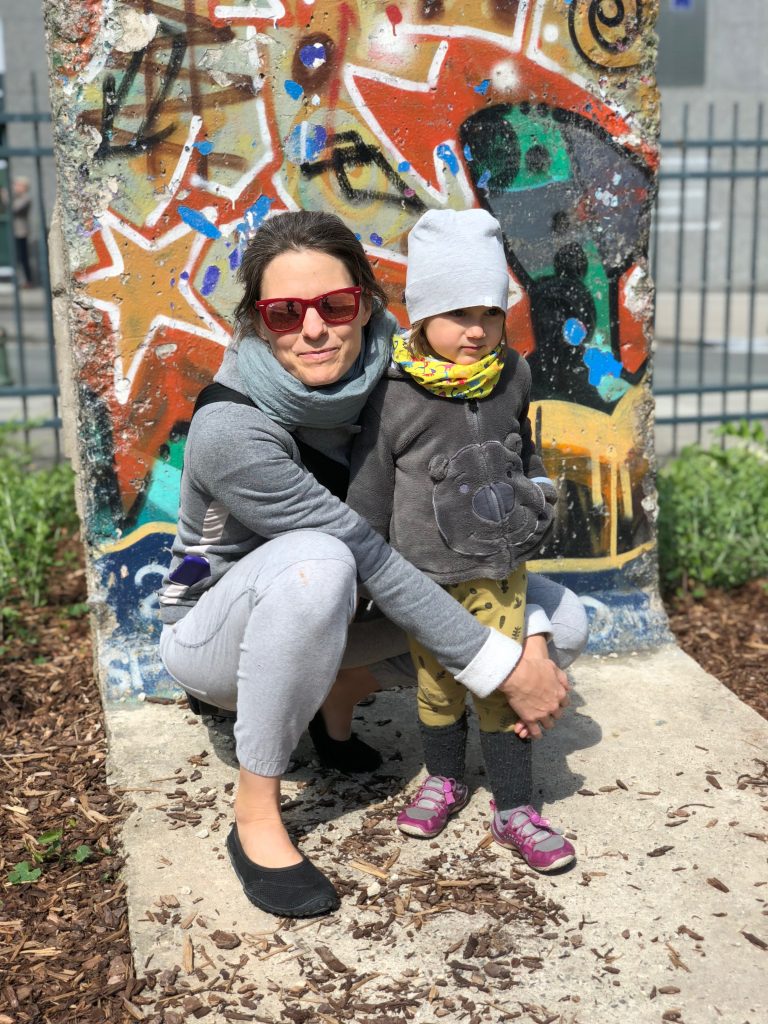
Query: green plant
(46, 848)
(713, 513)
(21, 872)
(37, 510)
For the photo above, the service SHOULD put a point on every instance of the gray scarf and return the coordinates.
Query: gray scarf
(324, 417)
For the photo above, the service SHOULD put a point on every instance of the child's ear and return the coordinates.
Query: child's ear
(513, 443)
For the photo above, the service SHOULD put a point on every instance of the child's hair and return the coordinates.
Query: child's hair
(418, 345)
(294, 232)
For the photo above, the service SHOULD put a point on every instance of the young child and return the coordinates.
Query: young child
(446, 468)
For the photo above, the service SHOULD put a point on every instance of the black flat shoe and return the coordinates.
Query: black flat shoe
(350, 755)
(199, 707)
(297, 891)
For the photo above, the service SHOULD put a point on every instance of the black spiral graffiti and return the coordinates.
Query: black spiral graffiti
(614, 27)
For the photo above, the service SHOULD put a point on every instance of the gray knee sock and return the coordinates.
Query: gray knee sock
(509, 765)
(445, 748)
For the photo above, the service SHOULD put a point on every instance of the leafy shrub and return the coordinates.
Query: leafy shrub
(713, 513)
(37, 510)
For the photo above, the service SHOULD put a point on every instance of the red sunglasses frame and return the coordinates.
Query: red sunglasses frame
(306, 304)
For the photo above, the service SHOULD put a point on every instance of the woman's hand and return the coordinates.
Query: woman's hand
(536, 690)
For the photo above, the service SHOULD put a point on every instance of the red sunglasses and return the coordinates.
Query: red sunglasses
(336, 307)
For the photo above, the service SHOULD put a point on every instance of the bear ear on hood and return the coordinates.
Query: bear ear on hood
(438, 468)
(514, 443)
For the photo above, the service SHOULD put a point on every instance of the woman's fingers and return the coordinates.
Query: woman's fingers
(534, 689)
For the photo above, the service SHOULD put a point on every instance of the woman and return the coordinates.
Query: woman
(263, 582)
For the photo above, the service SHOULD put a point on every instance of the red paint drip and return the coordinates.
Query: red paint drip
(395, 17)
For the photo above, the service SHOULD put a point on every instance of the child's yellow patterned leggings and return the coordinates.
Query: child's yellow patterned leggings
(496, 603)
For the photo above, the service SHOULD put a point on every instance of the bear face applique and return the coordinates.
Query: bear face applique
(484, 503)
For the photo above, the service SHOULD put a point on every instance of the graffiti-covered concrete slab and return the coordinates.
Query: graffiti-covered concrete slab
(182, 125)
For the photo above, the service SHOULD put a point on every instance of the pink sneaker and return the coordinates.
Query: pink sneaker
(435, 801)
(542, 847)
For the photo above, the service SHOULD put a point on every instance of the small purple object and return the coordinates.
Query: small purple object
(192, 569)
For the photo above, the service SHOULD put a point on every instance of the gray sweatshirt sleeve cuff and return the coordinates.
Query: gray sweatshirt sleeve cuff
(491, 665)
(536, 621)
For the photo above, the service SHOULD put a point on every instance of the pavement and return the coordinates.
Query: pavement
(657, 772)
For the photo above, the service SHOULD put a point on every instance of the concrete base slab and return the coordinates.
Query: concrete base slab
(658, 770)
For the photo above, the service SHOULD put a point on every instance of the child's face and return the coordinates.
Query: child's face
(465, 335)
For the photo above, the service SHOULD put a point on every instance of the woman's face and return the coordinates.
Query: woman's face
(316, 353)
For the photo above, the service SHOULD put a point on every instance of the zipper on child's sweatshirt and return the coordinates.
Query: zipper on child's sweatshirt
(472, 412)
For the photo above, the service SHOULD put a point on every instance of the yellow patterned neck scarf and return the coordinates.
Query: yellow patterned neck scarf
(451, 380)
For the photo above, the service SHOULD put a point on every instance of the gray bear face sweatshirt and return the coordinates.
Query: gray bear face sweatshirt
(454, 484)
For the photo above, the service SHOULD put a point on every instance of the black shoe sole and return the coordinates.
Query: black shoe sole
(200, 707)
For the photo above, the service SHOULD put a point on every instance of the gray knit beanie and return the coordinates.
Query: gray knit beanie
(455, 258)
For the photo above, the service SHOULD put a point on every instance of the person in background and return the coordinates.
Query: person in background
(21, 206)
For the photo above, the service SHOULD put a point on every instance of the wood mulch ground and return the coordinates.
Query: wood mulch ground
(64, 945)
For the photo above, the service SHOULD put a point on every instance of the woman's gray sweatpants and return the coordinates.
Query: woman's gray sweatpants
(269, 638)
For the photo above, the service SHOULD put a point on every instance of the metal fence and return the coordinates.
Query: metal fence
(710, 266)
(28, 385)
(708, 259)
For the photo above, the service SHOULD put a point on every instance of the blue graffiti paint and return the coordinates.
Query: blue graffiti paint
(377, 239)
(293, 89)
(306, 142)
(468, 154)
(403, 166)
(210, 280)
(601, 364)
(574, 332)
(254, 215)
(483, 87)
(605, 374)
(198, 222)
(235, 259)
(184, 275)
(484, 178)
(313, 55)
(204, 147)
(446, 154)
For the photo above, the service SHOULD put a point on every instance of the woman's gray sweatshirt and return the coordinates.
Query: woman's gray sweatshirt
(244, 484)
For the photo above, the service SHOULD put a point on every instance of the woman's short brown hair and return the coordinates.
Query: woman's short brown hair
(293, 232)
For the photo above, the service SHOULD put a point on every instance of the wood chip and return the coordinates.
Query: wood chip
(369, 869)
(676, 959)
(717, 884)
(659, 851)
(330, 959)
(760, 943)
(712, 780)
(134, 1011)
(187, 953)
(225, 940)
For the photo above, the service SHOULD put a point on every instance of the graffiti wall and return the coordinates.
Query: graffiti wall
(182, 125)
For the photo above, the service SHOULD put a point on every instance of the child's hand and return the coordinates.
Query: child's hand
(521, 730)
